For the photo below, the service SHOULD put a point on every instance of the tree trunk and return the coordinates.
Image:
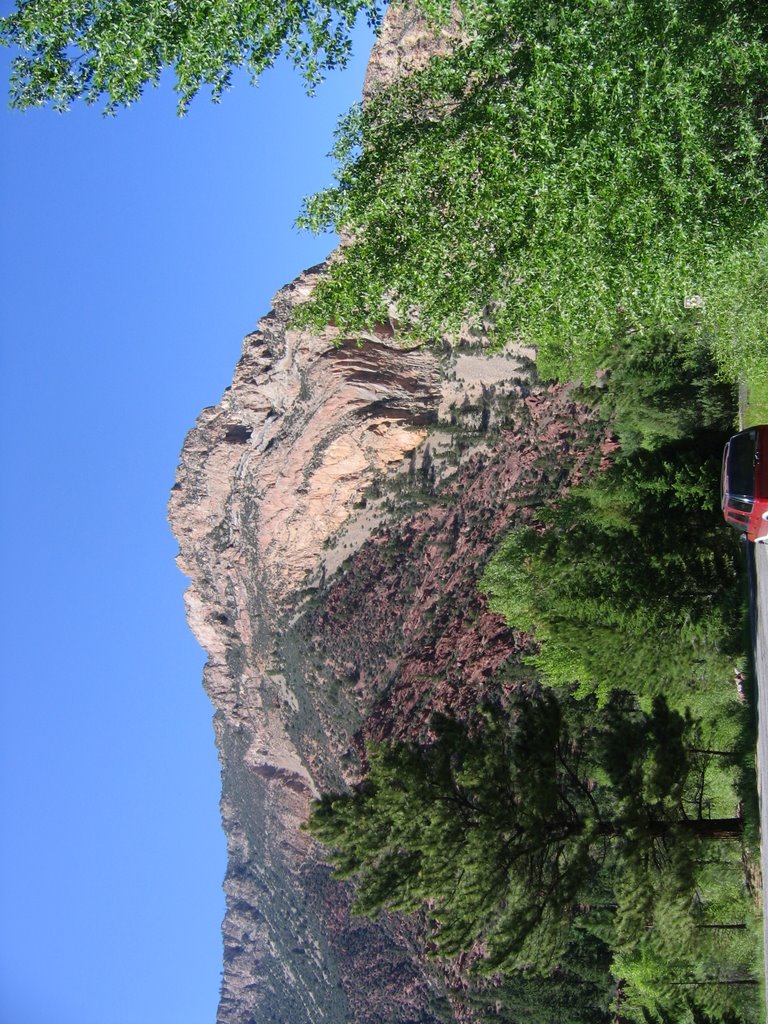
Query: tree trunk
(709, 828)
(714, 981)
(702, 828)
(715, 753)
(735, 925)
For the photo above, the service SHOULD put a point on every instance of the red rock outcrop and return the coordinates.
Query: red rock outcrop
(334, 512)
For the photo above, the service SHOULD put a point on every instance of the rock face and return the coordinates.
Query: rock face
(266, 479)
(334, 512)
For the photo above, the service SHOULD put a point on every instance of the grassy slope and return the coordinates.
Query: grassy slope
(757, 403)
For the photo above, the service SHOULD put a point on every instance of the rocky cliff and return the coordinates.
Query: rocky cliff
(334, 512)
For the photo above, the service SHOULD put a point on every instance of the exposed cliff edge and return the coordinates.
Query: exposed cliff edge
(333, 513)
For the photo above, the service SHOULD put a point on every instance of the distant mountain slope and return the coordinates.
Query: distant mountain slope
(334, 513)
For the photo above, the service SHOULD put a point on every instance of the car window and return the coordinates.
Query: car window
(741, 463)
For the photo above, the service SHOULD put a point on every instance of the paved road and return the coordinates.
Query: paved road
(758, 566)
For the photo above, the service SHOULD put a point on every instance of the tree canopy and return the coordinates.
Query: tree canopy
(503, 826)
(613, 587)
(571, 173)
(551, 834)
(111, 50)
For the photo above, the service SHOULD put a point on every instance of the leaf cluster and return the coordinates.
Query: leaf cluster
(572, 172)
(112, 49)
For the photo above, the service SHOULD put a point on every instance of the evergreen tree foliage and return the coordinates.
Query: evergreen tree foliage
(621, 608)
(501, 827)
(663, 389)
(631, 581)
(578, 991)
(482, 824)
(630, 588)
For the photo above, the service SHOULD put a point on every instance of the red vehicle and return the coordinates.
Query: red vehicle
(745, 483)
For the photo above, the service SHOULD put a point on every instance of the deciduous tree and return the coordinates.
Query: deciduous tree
(111, 50)
(574, 171)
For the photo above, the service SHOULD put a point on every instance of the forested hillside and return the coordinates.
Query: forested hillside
(596, 826)
(595, 184)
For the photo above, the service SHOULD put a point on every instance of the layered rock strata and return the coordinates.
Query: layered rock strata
(266, 478)
(334, 512)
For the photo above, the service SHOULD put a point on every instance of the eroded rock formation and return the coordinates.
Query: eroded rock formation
(334, 512)
(267, 477)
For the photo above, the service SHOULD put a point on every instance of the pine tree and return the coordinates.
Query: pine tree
(499, 827)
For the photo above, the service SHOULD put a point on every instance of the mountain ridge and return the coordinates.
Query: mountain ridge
(333, 514)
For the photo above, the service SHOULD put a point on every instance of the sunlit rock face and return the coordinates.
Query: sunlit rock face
(334, 512)
(406, 43)
(267, 478)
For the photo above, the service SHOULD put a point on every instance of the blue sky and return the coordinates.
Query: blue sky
(136, 253)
